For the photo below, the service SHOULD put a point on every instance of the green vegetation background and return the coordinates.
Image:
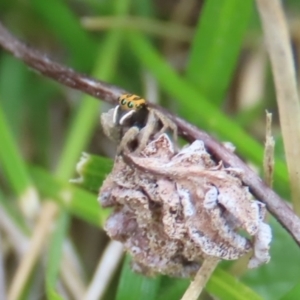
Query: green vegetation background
(44, 127)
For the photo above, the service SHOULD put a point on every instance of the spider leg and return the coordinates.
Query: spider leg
(166, 124)
(147, 131)
(128, 137)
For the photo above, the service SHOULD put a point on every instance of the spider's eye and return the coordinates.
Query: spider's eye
(130, 104)
(123, 102)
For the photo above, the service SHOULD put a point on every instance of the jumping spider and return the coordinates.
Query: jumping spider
(138, 120)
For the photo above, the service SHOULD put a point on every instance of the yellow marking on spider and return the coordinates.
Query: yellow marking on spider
(131, 102)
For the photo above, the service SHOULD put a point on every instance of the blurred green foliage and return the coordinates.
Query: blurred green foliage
(43, 123)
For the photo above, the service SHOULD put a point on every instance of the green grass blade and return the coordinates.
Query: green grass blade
(226, 287)
(221, 284)
(13, 82)
(76, 201)
(92, 169)
(136, 286)
(197, 109)
(173, 289)
(55, 253)
(39, 112)
(87, 117)
(293, 294)
(276, 278)
(52, 295)
(66, 26)
(11, 160)
(216, 46)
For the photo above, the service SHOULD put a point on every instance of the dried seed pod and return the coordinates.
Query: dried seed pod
(172, 210)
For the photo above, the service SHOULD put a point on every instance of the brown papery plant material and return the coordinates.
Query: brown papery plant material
(169, 224)
(110, 93)
(173, 210)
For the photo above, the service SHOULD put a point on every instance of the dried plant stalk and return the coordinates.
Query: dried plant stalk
(106, 268)
(269, 152)
(172, 30)
(37, 242)
(278, 43)
(71, 276)
(201, 278)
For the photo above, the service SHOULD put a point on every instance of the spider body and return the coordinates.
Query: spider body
(132, 110)
(138, 121)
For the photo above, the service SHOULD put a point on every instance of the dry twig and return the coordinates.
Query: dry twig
(201, 278)
(106, 268)
(37, 242)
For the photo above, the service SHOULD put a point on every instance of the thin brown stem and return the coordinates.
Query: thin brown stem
(269, 151)
(109, 93)
(204, 273)
(37, 242)
(106, 268)
(68, 77)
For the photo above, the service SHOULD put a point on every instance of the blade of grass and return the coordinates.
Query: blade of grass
(75, 200)
(11, 159)
(197, 109)
(293, 294)
(150, 26)
(216, 46)
(54, 296)
(145, 8)
(226, 287)
(245, 117)
(87, 116)
(15, 170)
(136, 286)
(221, 284)
(13, 81)
(39, 112)
(66, 26)
(174, 288)
(91, 170)
(55, 253)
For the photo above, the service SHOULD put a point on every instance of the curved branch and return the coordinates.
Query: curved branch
(110, 93)
(68, 77)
